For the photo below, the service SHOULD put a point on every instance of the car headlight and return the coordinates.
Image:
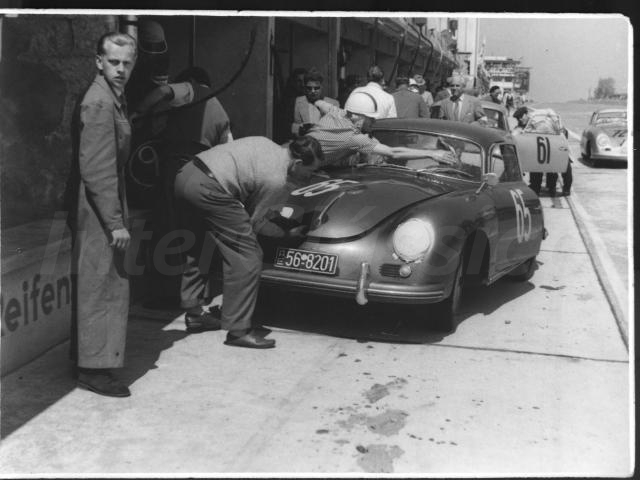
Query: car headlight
(603, 140)
(412, 239)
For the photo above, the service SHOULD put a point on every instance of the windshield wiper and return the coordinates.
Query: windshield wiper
(445, 170)
(385, 165)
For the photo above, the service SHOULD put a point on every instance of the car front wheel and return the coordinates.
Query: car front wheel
(444, 313)
(587, 155)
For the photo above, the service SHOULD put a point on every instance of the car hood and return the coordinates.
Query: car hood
(348, 205)
(617, 132)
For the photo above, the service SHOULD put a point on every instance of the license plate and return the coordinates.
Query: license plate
(306, 261)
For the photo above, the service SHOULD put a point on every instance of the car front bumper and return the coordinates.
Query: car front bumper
(610, 153)
(362, 289)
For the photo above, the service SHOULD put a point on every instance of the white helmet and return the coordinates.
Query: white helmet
(362, 103)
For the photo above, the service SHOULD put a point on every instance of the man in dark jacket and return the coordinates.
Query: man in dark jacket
(408, 104)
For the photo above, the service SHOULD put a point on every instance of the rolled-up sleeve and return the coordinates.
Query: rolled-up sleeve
(98, 162)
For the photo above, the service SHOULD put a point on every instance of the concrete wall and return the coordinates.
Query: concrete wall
(36, 298)
(36, 290)
(220, 46)
(47, 62)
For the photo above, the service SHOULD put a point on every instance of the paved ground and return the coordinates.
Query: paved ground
(535, 380)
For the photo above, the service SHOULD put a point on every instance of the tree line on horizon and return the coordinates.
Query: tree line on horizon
(606, 89)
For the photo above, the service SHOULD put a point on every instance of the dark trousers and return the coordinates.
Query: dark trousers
(535, 182)
(220, 221)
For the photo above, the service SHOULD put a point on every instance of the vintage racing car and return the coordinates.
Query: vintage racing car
(411, 231)
(497, 116)
(606, 136)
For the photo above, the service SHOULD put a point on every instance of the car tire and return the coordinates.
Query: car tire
(525, 271)
(444, 313)
(587, 155)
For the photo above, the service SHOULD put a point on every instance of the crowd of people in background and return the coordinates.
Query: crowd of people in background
(410, 97)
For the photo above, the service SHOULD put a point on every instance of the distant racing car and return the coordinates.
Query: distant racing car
(411, 231)
(606, 136)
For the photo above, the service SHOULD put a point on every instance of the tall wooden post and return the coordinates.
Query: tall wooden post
(334, 31)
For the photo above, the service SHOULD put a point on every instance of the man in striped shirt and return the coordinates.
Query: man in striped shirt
(340, 133)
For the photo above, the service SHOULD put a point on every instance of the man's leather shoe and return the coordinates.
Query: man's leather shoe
(250, 340)
(201, 322)
(101, 381)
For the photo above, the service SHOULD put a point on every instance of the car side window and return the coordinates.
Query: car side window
(494, 118)
(471, 160)
(504, 163)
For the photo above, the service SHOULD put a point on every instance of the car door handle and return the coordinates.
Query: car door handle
(564, 149)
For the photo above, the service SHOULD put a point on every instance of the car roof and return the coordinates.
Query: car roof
(542, 112)
(494, 106)
(482, 135)
(611, 110)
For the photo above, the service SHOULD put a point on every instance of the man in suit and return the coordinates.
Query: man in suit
(305, 113)
(461, 107)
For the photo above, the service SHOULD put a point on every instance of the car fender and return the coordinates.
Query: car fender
(475, 215)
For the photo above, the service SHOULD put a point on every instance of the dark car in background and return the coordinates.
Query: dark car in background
(412, 231)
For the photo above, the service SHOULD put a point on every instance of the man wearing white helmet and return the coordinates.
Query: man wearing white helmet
(340, 132)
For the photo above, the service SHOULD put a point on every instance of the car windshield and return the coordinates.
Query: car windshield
(611, 117)
(495, 119)
(544, 123)
(462, 158)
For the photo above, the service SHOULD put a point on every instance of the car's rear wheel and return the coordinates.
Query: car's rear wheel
(525, 271)
(444, 313)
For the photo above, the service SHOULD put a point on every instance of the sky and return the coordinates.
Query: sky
(567, 54)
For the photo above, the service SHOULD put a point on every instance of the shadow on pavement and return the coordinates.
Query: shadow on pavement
(376, 322)
(147, 340)
(613, 164)
(38, 385)
(30, 390)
